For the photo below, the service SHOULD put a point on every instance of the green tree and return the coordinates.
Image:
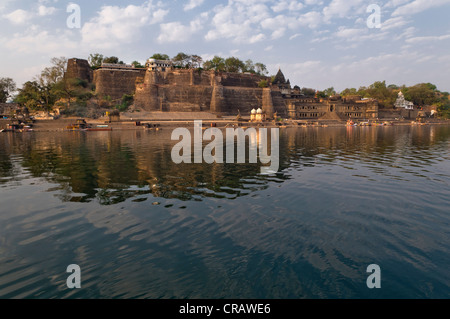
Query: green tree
(261, 69)
(127, 101)
(196, 61)
(137, 64)
(217, 63)
(52, 75)
(263, 84)
(330, 92)
(308, 92)
(422, 94)
(249, 66)
(7, 87)
(30, 96)
(95, 60)
(182, 60)
(113, 60)
(385, 96)
(322, 94)
(234, 65)
(349, 91)
(160, 56)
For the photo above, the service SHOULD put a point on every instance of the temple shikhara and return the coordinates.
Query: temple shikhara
(161, 87)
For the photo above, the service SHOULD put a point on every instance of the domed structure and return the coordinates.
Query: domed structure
(259, 111)
(253, 111)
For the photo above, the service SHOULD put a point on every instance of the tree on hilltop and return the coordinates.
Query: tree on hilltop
(261, 69)
(182, 60)
(137, 64)
(196, 61)
(113, 60)
(217, 63)
(234, 65)
(7, 87)
(160, 56)
(95, 60)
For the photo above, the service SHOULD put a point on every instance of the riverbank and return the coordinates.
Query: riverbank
(181, 120)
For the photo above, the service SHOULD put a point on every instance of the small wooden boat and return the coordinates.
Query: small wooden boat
(99, 128)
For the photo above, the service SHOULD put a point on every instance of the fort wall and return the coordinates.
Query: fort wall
(116, 83)
(79, 69)
(194, 90)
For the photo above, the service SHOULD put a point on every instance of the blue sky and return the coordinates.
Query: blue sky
(316, 44)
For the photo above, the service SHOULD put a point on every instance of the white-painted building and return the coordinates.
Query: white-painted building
(402, 103)
(158, 65)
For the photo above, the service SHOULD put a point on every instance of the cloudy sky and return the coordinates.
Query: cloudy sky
(316, 44)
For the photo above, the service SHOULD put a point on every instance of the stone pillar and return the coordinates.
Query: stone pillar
(217, 100)
(267, 103)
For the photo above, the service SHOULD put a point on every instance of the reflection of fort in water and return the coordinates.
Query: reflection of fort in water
(119, 165)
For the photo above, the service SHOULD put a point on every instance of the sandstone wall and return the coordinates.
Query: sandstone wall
(193, 90)
(116, 83)
(185, 98)
(243, 100)
(279, 105)
(79, 69)
(240, 80)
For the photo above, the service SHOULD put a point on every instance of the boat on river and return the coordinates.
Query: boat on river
(81, 125)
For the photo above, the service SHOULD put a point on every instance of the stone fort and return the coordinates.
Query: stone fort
(161, 87)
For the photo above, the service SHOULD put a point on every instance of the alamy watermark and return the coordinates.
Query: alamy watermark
(374, 20)
(374, 280)
(74, 280)
(258, 146)
(74, 19)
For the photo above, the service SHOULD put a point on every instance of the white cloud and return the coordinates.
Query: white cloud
(428, 39)
(257, 38)
(36, 40)
(312, 19)
(350, 33)
(22, 17)
(287, 5)
(239, 21)
(393, 23)
(395, 3)
(45, 11)
(177, 32)
(19, 17)
(193, 4)
(114, 25)
(292, 37)
(418, 6)
(343, 9)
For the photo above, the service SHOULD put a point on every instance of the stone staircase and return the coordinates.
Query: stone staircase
(331, 118)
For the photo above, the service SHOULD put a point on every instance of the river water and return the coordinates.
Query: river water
(140, 226)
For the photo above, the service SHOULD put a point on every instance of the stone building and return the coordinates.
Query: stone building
(158, 65)
(337, 108)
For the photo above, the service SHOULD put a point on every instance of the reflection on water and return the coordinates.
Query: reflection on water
(141, 226)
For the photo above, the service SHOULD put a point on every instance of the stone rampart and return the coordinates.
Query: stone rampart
(79, 69)
(116, 83)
